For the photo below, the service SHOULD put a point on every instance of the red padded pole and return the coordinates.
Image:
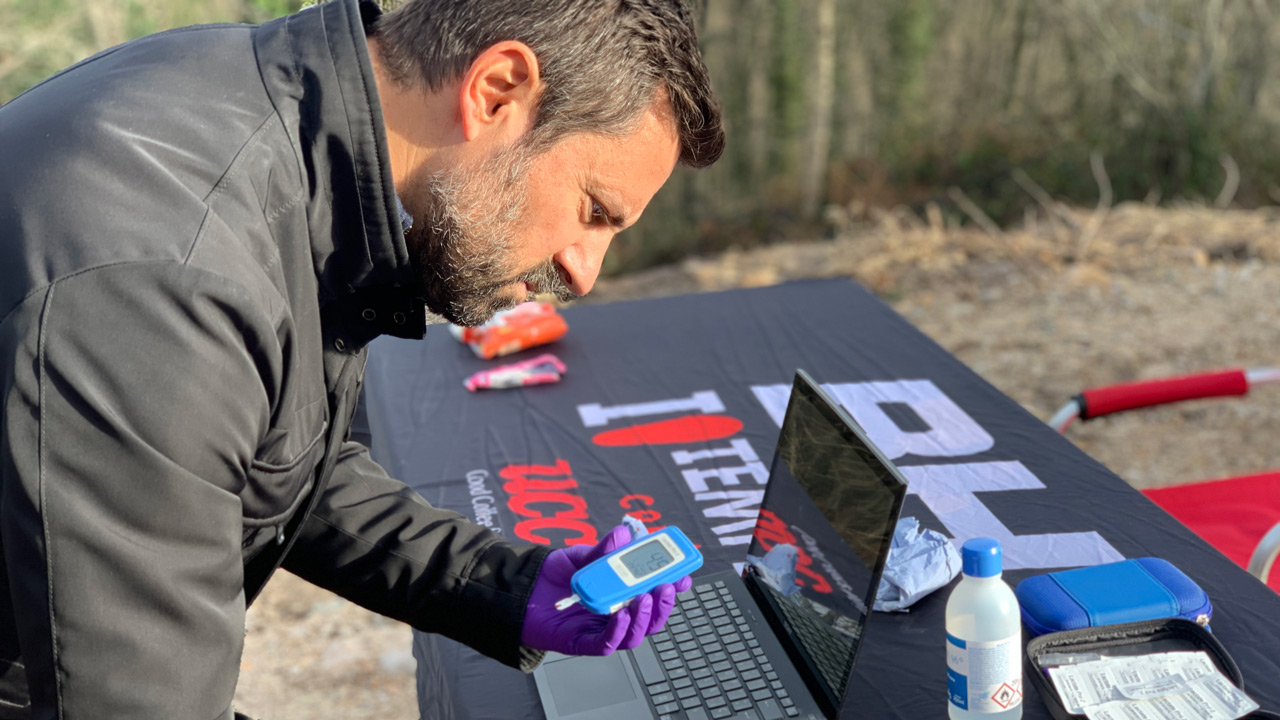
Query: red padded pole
(1128, 396)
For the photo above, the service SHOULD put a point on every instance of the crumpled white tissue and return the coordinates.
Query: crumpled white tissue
(919, 563)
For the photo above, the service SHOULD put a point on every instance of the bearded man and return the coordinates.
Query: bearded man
(200, 233)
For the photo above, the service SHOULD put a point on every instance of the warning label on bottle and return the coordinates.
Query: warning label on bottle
(1005, 696)
(984, 677)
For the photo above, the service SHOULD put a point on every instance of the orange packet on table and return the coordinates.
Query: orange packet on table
(527, 325)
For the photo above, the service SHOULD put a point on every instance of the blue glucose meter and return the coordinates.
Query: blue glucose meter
(608, 584)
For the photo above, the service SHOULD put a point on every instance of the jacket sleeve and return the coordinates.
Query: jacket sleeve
(133, 408)
(377, 543)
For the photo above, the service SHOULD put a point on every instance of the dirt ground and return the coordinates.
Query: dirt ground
(1073, 299)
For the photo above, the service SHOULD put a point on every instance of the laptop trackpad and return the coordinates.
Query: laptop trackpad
(587, 684)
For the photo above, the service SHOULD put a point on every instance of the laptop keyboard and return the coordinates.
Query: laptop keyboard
(707, 664)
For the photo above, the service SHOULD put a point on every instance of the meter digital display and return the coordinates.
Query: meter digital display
(649, 557)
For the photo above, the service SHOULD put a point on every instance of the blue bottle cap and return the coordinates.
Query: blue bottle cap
(980, 557)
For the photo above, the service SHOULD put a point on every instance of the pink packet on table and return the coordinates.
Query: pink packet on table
(545, 368)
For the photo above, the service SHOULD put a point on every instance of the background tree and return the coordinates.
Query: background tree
(834, 106)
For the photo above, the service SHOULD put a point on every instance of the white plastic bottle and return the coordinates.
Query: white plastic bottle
(984, 639)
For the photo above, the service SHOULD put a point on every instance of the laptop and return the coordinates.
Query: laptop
(780, 640)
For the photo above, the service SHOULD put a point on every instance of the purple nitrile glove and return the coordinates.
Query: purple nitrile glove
(578, 631)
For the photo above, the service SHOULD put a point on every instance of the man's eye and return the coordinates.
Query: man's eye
(598, 214)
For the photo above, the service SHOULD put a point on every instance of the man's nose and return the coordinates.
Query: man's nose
(581, 262)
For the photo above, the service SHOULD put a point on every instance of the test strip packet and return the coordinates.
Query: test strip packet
(1150, 687)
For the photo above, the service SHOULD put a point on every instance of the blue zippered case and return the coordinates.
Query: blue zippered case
(1119, 592)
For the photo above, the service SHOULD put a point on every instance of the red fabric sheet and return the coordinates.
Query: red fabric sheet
(1232, 515)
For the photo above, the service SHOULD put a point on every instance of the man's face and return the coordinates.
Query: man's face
(490, 231)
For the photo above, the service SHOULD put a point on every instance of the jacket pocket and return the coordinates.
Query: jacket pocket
(284, 467)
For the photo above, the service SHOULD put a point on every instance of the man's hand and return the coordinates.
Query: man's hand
(578, 631)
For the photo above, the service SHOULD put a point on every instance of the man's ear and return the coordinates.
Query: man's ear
(499, 92)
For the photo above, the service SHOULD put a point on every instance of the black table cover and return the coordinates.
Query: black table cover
(670, 410)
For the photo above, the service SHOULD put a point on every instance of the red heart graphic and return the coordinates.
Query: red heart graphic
(688, 429)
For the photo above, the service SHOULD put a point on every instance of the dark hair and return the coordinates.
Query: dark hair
(602, 61)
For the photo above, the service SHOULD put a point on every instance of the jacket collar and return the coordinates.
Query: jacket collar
(316, 68)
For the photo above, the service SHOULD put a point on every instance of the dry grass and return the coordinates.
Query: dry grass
(898, 251)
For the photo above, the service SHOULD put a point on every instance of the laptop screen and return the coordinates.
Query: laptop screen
(822, 537)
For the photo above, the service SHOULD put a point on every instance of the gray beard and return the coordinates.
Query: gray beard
(464, 236)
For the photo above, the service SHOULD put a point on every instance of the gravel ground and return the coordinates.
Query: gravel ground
(1072, 300)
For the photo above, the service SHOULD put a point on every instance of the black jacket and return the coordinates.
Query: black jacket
(198, 238)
